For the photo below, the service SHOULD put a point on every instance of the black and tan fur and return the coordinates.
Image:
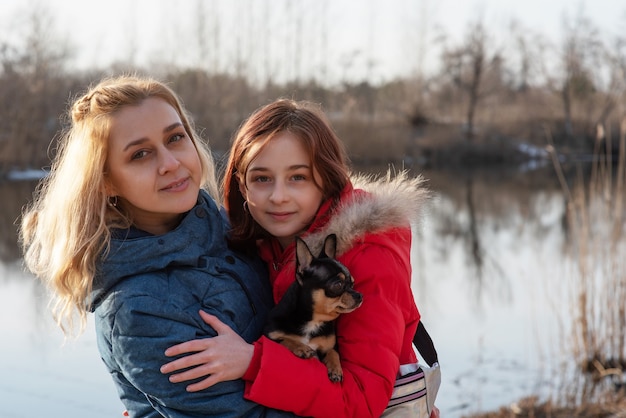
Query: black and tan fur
(304, 319)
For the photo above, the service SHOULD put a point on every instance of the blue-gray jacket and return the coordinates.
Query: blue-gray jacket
(146, 298)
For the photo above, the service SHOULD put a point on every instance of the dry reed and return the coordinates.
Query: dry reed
(597, 301)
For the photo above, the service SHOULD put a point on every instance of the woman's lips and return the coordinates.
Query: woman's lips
(177, 186)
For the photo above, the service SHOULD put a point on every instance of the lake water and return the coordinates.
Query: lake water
(490, 278)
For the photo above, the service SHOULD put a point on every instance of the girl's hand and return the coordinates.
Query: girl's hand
(434, 413)
(224, 357)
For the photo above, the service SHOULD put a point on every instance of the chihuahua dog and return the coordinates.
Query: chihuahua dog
(304, 319)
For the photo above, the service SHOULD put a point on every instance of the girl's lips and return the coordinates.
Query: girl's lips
(280, 216)
(177, 186)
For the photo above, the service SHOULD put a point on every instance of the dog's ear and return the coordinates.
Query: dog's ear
(330, 247)
(304, 257)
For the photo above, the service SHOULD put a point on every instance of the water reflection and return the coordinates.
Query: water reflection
(489, 268)
(489, 253)
(43, 375)
(476, 206)
(13, 195)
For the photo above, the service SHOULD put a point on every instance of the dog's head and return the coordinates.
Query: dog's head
(329, 281)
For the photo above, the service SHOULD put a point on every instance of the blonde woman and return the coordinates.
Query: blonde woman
(127, 226)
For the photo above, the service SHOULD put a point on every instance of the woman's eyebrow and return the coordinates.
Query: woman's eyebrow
(172, 127)
(139, 141)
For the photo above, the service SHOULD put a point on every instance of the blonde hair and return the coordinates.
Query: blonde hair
(67, 227)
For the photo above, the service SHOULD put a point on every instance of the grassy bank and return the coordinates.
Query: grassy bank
(533, 408)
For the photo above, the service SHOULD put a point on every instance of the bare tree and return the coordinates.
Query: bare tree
(615, 97)
(528, 52)
(467, 67)
(202, 34)
(416, 22)
(580, 56)
(32, 89)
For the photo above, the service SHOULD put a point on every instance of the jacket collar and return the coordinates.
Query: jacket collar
(131, 252)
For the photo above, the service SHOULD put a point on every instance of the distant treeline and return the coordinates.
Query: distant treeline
(485, 97)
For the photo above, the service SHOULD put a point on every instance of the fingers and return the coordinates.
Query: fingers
(210, 370)
(200, 371)
(205, 357)
(201, 344)
(188, 347)
(203, 384)
(214, 322)
(200, 356)
(181, 363)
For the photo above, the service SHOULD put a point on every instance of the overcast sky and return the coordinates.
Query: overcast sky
(375, 39)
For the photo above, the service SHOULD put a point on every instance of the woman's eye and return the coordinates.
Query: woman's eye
(138, 155)
(298, 177)
(261, 179)
(176, 137)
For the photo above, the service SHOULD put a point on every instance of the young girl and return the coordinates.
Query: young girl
(288, 176)
(126, 226)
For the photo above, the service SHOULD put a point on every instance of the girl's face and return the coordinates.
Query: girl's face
(280, 189)
(152, 165)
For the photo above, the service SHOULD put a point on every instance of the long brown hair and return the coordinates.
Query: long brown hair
(304, 120)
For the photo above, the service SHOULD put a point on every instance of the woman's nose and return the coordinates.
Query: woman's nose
(167, 162)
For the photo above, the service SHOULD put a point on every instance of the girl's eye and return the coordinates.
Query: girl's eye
(261, 179)
(298, 177)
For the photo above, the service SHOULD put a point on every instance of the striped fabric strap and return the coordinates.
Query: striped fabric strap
(419, 374)
(408, 388)
(411, 397)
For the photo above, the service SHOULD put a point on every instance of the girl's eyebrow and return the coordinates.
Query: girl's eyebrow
(291, 167)
(139, 141)
(297, 166)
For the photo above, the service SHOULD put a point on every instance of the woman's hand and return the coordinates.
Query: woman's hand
(221, 358)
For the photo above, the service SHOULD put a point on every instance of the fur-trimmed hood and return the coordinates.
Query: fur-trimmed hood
(385, 202)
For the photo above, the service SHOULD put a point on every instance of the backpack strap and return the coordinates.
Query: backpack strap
(425, 345)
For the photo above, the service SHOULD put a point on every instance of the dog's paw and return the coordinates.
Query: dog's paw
(335, 376)
(305, 352)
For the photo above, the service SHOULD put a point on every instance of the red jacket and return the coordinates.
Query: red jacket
(374, 242)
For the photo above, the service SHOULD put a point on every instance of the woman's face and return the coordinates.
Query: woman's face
(280, 187)
(152, 165)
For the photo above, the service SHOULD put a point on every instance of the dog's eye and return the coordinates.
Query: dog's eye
(336, 287)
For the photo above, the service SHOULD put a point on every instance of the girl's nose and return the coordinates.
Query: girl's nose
(167, 162)
(279, 193)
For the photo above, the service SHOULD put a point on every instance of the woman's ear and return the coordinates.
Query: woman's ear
(109, 189)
